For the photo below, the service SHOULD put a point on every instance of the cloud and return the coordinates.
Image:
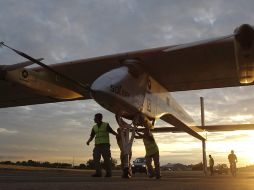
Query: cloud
(10, 157)
(241, 118)
(6, 131)
(205, 17)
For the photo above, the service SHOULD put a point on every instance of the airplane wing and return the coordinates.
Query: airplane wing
(13, 95)
(85, 71)
(200, 65)
(203, 65)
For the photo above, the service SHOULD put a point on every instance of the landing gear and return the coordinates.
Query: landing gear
(125, 143)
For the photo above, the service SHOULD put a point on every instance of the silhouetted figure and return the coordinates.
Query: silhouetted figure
(211, 164)
(232, 162)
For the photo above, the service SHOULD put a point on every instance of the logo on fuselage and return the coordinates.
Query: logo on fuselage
(148, 104)
(119, 90)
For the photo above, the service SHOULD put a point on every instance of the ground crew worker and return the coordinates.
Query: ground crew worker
(125, 174)
(152, 152)
(211, 164)
(101, 132)
(232, 162)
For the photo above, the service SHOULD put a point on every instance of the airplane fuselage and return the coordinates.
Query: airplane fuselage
(123, 92)
(127, 90)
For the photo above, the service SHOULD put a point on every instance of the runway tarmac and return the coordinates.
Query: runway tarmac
(80, 179)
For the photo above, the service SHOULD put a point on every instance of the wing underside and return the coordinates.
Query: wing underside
(178, 68)
(16, 95)
(201, 65)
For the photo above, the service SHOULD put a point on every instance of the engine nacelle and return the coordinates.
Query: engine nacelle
(244, 53)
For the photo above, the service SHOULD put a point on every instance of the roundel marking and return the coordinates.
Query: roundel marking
(24, 74)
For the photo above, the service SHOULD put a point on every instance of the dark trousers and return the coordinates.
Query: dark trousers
(104, 151)
(156, 159)
(211, 170)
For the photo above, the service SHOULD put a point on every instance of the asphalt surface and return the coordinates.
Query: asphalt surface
(75, 180)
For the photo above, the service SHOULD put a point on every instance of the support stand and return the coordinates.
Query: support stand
(204, 157)
(203, 141)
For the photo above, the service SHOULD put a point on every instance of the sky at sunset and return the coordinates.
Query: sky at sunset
(68, 30)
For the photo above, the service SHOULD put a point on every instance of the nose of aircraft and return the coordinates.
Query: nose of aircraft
(105, 81)
(102, 88)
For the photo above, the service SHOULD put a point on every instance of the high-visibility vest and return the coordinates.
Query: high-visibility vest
(150, 146)
(101, 133)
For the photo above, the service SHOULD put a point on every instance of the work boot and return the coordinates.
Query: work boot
(108, 175)
(151, 174)
(96, 175)
(126, 173)
(158, 177)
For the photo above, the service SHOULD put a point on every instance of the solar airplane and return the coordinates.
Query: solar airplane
(136, 85)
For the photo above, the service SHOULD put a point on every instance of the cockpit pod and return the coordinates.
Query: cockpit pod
(121, 90)
(244, 48)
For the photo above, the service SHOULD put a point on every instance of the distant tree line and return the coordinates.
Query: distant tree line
(182, 167)
(38, 164)
(247, 168)
(197, 167)
(89, 164)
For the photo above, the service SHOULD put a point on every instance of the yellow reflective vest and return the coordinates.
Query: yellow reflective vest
(101, 133)
(150, 146)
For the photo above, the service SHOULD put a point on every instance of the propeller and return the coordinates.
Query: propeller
(38, 62)
(244, 34)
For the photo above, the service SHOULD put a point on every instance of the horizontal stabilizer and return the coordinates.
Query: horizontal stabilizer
(209, 128)
(233, 127)
(163, 130)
